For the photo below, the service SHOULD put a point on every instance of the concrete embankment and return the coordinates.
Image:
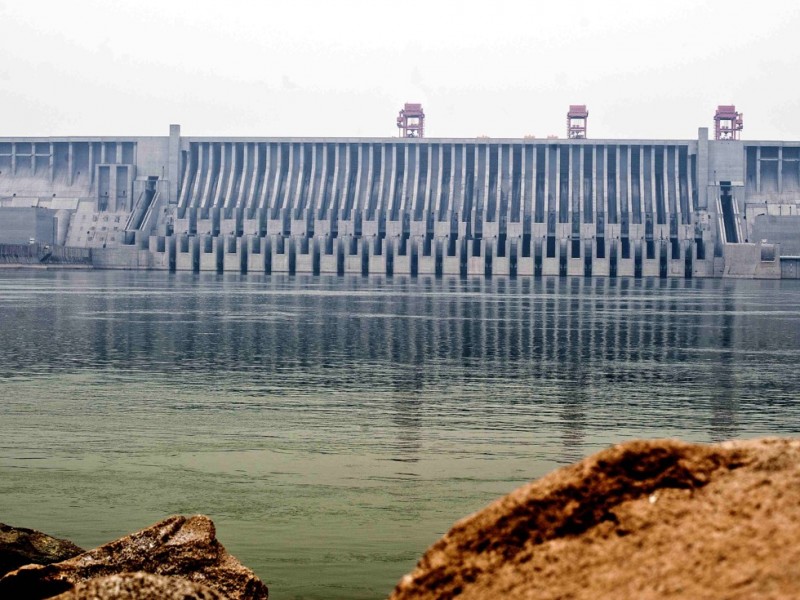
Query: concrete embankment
(641, 520)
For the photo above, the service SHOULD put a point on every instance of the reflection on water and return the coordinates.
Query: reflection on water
(334, 427)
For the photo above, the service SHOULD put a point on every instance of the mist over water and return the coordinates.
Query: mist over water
(333, 428)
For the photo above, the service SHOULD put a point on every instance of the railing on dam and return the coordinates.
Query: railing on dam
(44, 254)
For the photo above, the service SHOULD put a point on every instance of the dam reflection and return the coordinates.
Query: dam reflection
(594, 352)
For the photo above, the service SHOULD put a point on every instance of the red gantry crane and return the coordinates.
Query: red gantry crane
(727, 122)
(577, 117)
(411, 121)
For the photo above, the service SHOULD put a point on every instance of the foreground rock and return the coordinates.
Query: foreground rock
(176, 547)
(20, 546)
(640, 520)
(139, 586)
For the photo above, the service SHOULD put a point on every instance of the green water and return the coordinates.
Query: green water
(333, 428)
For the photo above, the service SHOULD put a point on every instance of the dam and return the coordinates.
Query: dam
(410, 205)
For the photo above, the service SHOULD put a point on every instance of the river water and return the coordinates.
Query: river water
(335, 427)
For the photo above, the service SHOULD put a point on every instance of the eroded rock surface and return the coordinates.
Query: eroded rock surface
(139, 586)
(642, 520)
(179, 546)
(20, 546)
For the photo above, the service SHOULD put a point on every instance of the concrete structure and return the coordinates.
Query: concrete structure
(526, 207)
(31, 225)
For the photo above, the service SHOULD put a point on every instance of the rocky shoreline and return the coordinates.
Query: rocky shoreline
(641, 520)
(645, 519)
(178, 557)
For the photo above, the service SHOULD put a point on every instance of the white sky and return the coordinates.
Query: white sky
(500, 68)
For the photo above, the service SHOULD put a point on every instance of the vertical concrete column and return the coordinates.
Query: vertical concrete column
(70, 163)
(360, 170)
(111, 204)
(640, 177)
(457, 202)
(103, 155)
(758, 169)
(223, 174)
(433, 188)
(259, 167)
(507, 187)
(548, 184)
(702, 167)
(419, 193)
(390, 170)
(382, 178)
(14, 157)
(311, 192)
(203, 171)
(346, 188)
(52, 165)
(277, 156)
(367, 192)
(408, 196)
(338, 173)
(523, 188)
(498, 184)
(554, 185)
(434, 196)
(653, 195)
(780, 169)
(287, 200)
(263, 199)
(535, 166)
(557, 186)
(244, 197)
(119, 153)
(533, 178)
(618, 168)
(598, 204)
(230, 198)
(579, 183)
(91, 163)
(284, 185)
(189, 177)
(408, 178)
(503, 162)
(629, 199)
(677, 183)
(294, 199)
(439, 190)
(484, 201)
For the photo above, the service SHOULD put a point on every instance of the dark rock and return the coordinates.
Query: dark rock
(642, 520)
(178, 546)
(139, 586)
(20, 546)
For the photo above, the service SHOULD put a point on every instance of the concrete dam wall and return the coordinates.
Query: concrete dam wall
(446, 206)
(415, 206)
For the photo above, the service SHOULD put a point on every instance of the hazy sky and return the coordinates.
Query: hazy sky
(344, 68)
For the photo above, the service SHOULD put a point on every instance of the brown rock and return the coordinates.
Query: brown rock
(139, 586)
(660, 519)
(20, 546)
(178, 546)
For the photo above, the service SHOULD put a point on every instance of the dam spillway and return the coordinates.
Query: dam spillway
(663, 208)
